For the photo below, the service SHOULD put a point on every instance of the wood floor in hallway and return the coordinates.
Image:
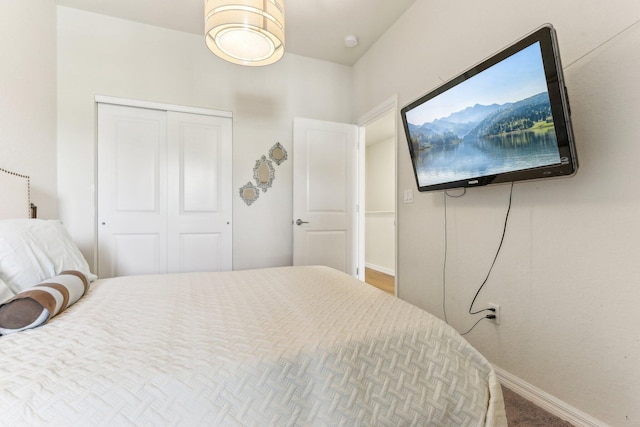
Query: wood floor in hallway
(380, 280)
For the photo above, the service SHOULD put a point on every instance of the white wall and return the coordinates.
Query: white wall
(380, 238)
(108, 56)
(28, 97)
(567, 278)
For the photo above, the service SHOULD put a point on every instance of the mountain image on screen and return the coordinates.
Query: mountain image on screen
(505, 119)
(484, 121)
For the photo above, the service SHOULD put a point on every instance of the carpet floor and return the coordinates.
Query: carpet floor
(520, 411)
(523, 413)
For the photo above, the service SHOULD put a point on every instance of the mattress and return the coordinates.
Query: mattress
(289, 346)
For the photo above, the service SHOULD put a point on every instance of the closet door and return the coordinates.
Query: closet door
(132, 188)
(200, 193)
(164, 191)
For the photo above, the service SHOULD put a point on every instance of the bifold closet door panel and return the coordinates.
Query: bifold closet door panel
(132, 188)
(200, 193)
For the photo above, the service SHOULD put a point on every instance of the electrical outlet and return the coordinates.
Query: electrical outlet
(496, 307)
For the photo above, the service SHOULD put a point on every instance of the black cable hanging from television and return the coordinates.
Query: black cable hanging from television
(486, 279)
(495, 258)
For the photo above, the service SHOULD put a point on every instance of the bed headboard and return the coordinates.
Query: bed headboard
(16, 198)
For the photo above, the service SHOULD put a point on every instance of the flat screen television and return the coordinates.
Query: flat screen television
(505, 119)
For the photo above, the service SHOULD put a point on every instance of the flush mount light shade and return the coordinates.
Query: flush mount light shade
(245, 32)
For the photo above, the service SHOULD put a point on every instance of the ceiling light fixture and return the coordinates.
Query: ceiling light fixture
(245, 32)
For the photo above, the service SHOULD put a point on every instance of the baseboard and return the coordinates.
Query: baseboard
(384, 270)
(546, 401)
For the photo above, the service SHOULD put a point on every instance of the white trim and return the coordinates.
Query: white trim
(102, 99)
(380, 269)
(546, 401)
(387, 106)
(361, 201)
(390, 104)
(379, 213)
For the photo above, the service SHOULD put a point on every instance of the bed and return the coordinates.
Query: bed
(284, 346)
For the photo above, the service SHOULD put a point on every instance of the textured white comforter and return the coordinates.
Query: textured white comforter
(306, 346)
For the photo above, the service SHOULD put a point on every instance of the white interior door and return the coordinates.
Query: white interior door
(200, 193)
(132, 188)
(164, 191)
(325, 194)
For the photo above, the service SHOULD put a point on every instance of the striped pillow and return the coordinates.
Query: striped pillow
(35, 306)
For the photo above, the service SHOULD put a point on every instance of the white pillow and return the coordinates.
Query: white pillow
(33, 250)
(5, 292)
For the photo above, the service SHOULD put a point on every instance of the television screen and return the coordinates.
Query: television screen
(505, 119)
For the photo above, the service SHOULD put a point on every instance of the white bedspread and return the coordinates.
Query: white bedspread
(306, 346)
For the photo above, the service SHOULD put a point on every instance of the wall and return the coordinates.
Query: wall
(567, 278)
(28, 97)
(108, 56)
(380, 206)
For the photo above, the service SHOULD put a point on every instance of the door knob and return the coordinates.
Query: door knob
(300, 222)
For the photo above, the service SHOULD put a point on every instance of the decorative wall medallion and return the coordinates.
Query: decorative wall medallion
(263, 173)
(277, 153)
(249, 193)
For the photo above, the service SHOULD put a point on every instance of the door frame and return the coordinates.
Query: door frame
(127, 102)
(390, 105)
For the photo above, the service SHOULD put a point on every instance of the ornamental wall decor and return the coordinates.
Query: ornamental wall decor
(263, 173)
(249, 193)
(277, 153)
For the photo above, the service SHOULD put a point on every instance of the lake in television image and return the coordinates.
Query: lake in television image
(497, 121)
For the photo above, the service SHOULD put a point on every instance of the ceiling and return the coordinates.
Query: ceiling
(314, 28)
